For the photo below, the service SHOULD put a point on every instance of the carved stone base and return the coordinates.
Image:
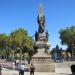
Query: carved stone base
(43, 64)
(44, 67)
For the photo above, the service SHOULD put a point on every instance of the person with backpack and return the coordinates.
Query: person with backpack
(32, 68)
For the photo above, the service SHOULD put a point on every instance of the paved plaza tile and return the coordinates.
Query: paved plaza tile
(13, 72)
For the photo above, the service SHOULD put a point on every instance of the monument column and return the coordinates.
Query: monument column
(41, 60)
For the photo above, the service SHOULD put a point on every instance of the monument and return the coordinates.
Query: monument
(41, 60)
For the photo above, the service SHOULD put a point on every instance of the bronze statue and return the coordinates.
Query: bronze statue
(36, 36)
(47, 35)
(41, 20)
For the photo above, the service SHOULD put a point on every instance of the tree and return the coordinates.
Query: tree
(20, 39)
(17, 39)
(67, 37)
(3, 44)
(2, 40)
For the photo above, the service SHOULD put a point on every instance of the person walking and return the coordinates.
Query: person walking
(73, 69)
(32, 68)
(17, 63)
(0, 70)
(21, 69)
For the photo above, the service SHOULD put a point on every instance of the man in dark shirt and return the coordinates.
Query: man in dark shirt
(73, 69)
(32, 68)
(0, 69)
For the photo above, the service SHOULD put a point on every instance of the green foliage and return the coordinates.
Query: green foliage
(67, 36)
(3, 36)
(18, 38)
(2, 40)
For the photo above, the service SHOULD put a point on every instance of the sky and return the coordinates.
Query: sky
(23, 14)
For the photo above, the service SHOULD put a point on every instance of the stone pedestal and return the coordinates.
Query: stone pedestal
(42, 62)
(44, 67)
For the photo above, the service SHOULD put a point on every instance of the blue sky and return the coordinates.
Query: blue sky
(23, 13)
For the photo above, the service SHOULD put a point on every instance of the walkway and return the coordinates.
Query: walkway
(27, 73)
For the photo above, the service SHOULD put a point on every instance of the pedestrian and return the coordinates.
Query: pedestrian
(73, 69)
(0, 69)
(32, 68)
(21, 69)
(17, 62)
(13, 65)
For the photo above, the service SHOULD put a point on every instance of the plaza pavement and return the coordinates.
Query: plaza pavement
(60, 69)
(12, 72)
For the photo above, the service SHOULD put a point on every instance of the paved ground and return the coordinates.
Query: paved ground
(64, 67)
(27, 73)
(58, 71)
